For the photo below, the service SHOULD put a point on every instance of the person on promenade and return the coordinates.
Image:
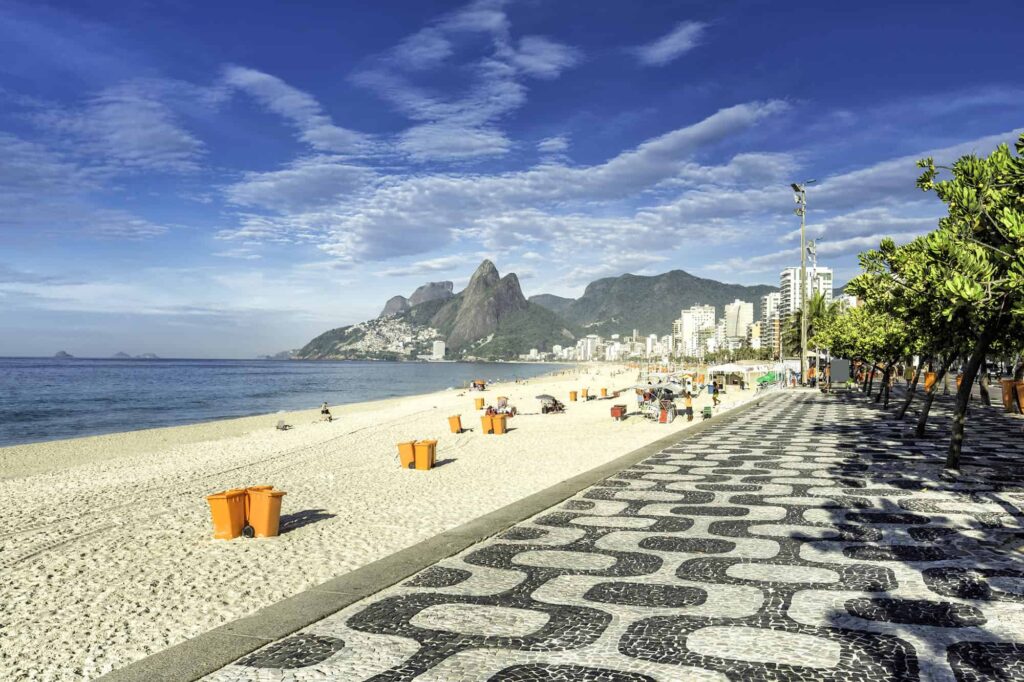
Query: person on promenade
(325, 414)
(714, 393)
(688, 403)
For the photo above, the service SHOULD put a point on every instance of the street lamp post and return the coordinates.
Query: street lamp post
(800, 196)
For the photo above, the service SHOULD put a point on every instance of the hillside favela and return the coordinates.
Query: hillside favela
(511, 341)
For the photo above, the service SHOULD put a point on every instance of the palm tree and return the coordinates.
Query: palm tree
(819, 311)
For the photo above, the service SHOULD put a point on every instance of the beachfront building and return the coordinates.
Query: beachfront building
(686, 331)
(754, 335)
(438, 351)
(818, 280)
(771, 321)
(738, 316)
(847, 301)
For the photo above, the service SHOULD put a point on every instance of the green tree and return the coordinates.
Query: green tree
(979, 247)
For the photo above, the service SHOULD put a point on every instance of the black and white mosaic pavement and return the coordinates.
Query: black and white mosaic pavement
(806, 539)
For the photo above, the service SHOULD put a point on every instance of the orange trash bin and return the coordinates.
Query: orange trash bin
(1009, 397)
(498, 422)
(248, 498)
(959, 380)
(487, 423)
(572, 396)
(1020, 394)
(265, 512)
(426, 451)
(585, 393)
(407, 454)
(227, 510)
(604, 392)
(929, 380)
(455, 423)
(479, 403)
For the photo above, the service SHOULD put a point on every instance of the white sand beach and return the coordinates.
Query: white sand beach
(106, 549)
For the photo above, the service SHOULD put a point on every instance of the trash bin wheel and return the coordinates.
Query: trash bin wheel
(248, 531)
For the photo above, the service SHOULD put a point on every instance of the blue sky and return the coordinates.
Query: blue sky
(226, 179)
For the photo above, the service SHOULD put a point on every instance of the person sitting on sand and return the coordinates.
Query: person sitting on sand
(325, 414)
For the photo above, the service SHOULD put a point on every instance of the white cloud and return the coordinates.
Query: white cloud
(423, 50)
(430, 265)
(554, 145)
(446, 142)
(303, 184)
(543, 58)
(450, 128)
(300, 109)
(49, 193)
(683, 38)
(406, 215)
(133, 125)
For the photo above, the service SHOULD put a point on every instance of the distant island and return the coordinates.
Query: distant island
(63, 355)
(283, 355)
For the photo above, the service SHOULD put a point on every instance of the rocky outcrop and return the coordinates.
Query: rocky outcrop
(556, 304)
(432, 291)
(395, 306)
(485, 302)
(489, 319)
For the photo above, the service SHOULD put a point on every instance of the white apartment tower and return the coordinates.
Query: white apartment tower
(686, 330)
(818, 280)
(738, 316)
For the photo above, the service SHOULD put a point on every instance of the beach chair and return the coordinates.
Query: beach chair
(706, 412)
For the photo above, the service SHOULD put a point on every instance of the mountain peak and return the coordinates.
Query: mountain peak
(486, 273)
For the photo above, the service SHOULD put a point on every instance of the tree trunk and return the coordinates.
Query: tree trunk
(1018, 375)
(986, 399)
(867, 376)
(885, 382)
(929, 397)
(911, 390)
(963, 396)
(871, 380)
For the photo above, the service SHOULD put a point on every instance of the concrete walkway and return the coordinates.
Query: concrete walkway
(803, 538)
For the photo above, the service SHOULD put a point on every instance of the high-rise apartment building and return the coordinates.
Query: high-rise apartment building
(770, 321)
(818, 280)
(688, 327)
(738, 316)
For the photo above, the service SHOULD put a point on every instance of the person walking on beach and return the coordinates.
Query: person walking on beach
(688, 404)
(714, 393)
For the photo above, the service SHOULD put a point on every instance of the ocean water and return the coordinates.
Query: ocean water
(45, 399)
